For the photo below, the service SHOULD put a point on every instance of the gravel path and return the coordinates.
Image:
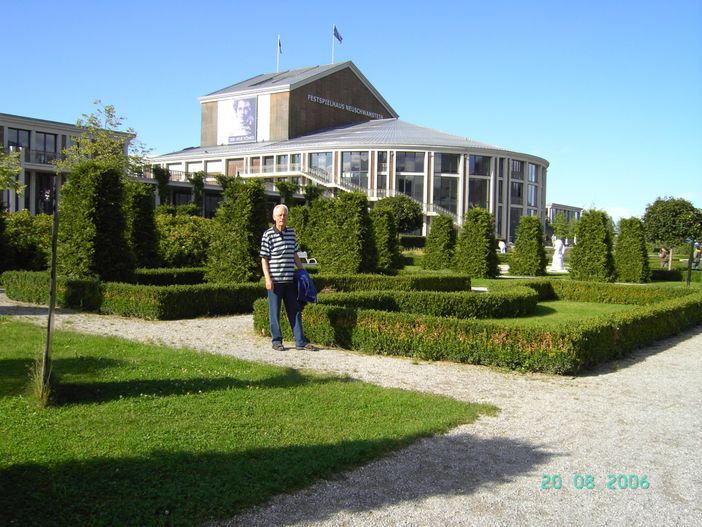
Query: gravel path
(641, 415)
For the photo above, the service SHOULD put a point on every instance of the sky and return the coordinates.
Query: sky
(608, 91)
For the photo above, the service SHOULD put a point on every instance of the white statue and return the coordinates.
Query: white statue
(558, 250)
(503, 246)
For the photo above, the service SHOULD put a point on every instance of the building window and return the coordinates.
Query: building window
(282, 163)
(478, 193)
(269, 164)
(382, 161)
(19, 138)
(235, 166)
(382, 184)
(354, 168)
(499, 220)
(479, 166)
(446, 163)
(446, 192)
(409, 162)
(500, 191)
(44, 148)
(255, 165)
(413, 186)
(533, 173)
(531, 195)
(295, 162)
(321, 161)
(515, 214)
(516, 169)
(516, 196)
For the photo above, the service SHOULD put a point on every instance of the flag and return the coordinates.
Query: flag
(337, 35)
(280, 46)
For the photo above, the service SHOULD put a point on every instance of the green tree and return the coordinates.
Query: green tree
(29, 240)
(631, 253)
(298, 219)
(591, 257)
(385, 236)
(406, 211)
(10, 168)
(476, 248)
(286, 189)
(312, 192)
(671, 221)
(197, 180)
(560, 226)
(440, 244)
(141, 224)
(529, 256)
(162, 177)
(240, 222)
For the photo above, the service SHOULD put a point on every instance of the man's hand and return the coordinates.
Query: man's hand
(269, 284)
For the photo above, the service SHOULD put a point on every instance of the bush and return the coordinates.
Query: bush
(298, 220)
(376, 282)
(170, 276)
(547, 348)
(412, 241)
(407, 212)
(529, 256)
(141, 225)
(6, 259)
(92, 238)
(631, 255)
(183, 241)
(591, 258)
(239, 223)
(440, 244)
(476, 247)
(33, 287)
(340, 235)
(28, 240)
(516, 302)
(385, 238)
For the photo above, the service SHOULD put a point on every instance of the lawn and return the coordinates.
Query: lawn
(147, 435)
(564, 312)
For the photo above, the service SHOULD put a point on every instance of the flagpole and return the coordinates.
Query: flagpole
(277, 56)
(333, 38)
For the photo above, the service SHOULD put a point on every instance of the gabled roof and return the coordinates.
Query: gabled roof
(290, 80)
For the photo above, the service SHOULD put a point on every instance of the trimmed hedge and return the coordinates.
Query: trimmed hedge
(412, 241)
(132, 300)
(517, 302)
(170, 276)
(664, 275)
(529, 256)
(374, 282)
(476, 248)
(440, 244)
(561, 349)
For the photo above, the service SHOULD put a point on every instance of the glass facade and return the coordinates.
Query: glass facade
(479, 166)
(354, 168)
(516, 169)
(44, 148)
(446, 192)
(269, 164)
(19, 138)
(446, 163)
(295, 161)
(413, 186)
(382, 164)
(281, 163)
(322, 161)
(516, 195)
(235, 166)
(533, 173)
(531, 195)
(478, 193)
(409, 162)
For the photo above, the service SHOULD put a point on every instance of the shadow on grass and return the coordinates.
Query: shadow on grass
(167, 488)
(92, 392)
(15, 373)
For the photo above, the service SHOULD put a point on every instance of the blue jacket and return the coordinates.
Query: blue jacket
(306, 291)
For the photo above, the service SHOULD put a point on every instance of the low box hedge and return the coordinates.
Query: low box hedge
(516, 302)
(547, 348)
(170, 276)
(377, 282)
(134, 300)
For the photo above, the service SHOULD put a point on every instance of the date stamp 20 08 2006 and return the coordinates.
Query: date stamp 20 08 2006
(614, 481)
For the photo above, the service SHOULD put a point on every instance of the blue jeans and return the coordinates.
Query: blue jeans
(285, 292)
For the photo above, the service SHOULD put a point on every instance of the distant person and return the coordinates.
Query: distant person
(279, 259)
(696, 256)
(663, 255)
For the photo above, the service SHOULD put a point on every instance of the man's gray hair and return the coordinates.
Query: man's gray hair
(280, 206)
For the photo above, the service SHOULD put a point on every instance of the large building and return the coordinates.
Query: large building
(329, 126)
(40, 143)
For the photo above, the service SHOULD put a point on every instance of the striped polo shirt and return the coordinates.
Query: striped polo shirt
(279, 249)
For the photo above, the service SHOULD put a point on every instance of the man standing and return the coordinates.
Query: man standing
(279, 259)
